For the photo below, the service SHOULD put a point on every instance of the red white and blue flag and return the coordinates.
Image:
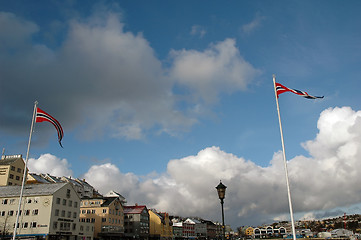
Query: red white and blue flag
(281, 89)
(42, 116)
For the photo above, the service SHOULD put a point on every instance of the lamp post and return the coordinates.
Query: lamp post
(221, 189)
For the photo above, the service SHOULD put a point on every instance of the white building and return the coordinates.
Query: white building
(49, 211)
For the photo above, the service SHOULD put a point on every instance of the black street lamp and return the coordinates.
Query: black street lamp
(221, 189)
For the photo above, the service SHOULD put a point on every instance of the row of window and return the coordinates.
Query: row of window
(11, 176)
(65, 202)
(26, 225)
(92, 220)
(63, 226)
(12, 200)
(62, 213)
(14, 213)
(12, 168)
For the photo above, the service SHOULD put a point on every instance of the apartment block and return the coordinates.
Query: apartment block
(136, 222)
(106, 214)
(48, 211)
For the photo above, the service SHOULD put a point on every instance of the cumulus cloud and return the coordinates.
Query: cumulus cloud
(255, 194)
(218, 69)
(48, 163)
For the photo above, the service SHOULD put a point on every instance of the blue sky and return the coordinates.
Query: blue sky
(169, 97)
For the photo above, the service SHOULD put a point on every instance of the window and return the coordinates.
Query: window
(2, 213)
(28, 200)
(93, 211)
(4, 201)
(104, 219)
(81, 228)
(74, 214)
(12, 168)
(36, 200)
(25, 225)
(10, 183)
(69, 214)
(88, 211)
(35, 211)
(56, 212)
(57, 200)
(11, 176)
(83, 211)
(27, 212)
(74, 226)
(64, 202)
(63, 213)
(12, 201)
(104, 211)
(93, 220)
(19, 170)
(88, 220)
(17, 178)
(75, 204)
(33, 225)
(55, 225)
(11, 212)
(68, 193)
(70, 203)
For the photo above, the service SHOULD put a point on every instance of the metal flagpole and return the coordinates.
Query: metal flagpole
(25, 170)
(285, 161)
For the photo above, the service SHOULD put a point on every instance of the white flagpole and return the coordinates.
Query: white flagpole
(25, 170)
(285, 162)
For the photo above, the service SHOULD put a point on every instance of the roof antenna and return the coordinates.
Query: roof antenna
(2, 155)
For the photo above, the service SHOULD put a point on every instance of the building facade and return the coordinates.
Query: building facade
(136, 222)
(106, 214)
(160, 226)
(11, 170)
(49, 211)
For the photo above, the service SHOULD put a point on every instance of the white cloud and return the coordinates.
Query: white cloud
(254, 194)
(218, 69)
(51, 164)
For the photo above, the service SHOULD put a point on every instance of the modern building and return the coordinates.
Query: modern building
(136, 222)
(11, 170)
(107, 215)
(48, 211)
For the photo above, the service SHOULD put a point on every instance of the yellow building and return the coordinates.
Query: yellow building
(11, 170)
(160, 227)
(106, 214)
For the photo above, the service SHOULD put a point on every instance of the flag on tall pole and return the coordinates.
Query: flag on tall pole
(42, 116)
(279, 89)
(38, 116)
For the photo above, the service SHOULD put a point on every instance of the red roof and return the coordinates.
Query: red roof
(134, 209)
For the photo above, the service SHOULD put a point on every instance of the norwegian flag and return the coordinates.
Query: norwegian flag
(42, 116)
(281, 89)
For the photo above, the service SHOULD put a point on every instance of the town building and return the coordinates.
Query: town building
(48, 211)
(136, 222)
(107, 215)
(160, 226)
(11, 170)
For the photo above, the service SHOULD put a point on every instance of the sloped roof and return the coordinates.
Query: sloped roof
(31, 190)
(39, 178)
(108, 201)
(134, 209)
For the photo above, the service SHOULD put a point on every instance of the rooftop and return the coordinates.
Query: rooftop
(31, 190)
